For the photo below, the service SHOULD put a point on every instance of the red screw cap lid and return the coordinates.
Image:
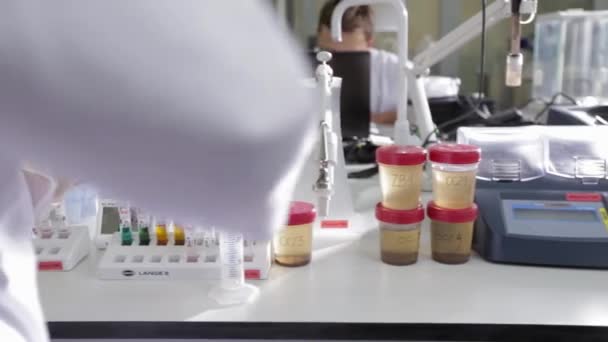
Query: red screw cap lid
(454, 154)
(437, 213)
(400, 155)
(399, 216)
(301, 213)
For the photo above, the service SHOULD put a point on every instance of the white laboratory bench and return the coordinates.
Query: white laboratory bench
(346, 283)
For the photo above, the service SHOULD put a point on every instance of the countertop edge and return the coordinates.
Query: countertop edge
(325, 331)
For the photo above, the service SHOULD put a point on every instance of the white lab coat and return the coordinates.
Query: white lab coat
(189, 108)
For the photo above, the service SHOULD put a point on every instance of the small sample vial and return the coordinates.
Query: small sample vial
(126, 236)
(191, 253)
(454, 168)
(293, 243)
(209, 241)
(399, 234)
(46, 232)
(143, 227)
(57, 216)
(161, 233)
(179, 235)
(63, 233)
(514, 69)
(400, 169)
(144, 236)
(199, 237)
(451, 233)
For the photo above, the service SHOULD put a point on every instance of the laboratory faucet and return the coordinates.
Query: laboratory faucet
(328, 157)
(402, 127)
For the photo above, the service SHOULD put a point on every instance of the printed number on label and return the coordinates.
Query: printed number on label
(401, 180)
(449, 236)
(457, 180)
(406, 239)
(297, 241)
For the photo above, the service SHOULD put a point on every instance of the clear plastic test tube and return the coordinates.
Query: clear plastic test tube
(231, 257)
(211, 240)
(232, 288)
(192, 254)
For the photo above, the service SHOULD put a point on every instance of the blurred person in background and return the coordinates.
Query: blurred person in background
(358, 35)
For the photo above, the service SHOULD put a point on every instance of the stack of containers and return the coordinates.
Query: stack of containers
(400, 212)
(452, 210)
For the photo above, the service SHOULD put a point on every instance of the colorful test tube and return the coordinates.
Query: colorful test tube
(143, 225)
(161, 233)
(178, 235)
(144, 236)
(126, 234)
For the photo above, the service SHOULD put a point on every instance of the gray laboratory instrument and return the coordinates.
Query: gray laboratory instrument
(542, 192)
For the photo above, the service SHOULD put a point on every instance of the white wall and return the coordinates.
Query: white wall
(600, 4)
(424, 20)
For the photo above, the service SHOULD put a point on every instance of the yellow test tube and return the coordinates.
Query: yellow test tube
(161, 233)
(179, 235)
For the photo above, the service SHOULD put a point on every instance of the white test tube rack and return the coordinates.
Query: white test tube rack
(61, 249)
(201, 260)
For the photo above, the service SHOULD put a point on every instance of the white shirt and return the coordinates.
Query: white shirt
(157, 102)
(384, 78)
(384, 87)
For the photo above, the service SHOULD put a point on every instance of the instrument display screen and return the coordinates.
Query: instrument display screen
(110, 220)
(556, 214)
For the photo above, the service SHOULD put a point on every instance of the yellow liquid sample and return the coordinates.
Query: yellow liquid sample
(293, 245)
(161, 234)
(179, 235)
(399, 247)
(401, 186)
(453, 190)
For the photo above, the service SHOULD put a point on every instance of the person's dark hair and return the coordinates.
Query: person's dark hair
(356, 17)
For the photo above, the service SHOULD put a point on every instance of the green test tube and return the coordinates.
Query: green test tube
(144, 236)
(126, 236)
